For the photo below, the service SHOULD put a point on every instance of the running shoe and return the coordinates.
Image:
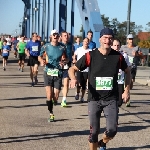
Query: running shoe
(19, 69)
(63, 103)
(77, 96)
(82, 100)
(51, 118)
(4, 69)
(54, 102)
(102, 148)
(32, 84)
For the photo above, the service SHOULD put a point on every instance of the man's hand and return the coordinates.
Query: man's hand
(126, 96)
(73, 83)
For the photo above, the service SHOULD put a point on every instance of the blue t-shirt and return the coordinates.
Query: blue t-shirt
(75, 46)
(15, 42)
(5, 50)
(68, 47)
(91, 45)
(54, 54)
(34, 48)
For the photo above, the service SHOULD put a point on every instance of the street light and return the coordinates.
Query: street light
(44, 16)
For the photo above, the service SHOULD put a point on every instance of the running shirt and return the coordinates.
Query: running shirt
(15, 42)
(129, 51)
(5, 50)
(34, 48)
(68, 50)
(21, 46)
(75, 46)
(80, 52)
(103, 73)
(121, 73)
(92, 45)
(8, 41)
(53, 55)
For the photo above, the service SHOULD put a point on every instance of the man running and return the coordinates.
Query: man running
(77, 44)
(104, 64)
(132, 52)
(33, 48)
(53, 69)
(82, 76)
(14, 45)
(68, 45)
(21, 46)
(1, 44)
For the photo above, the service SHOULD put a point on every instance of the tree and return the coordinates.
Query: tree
(105, 21)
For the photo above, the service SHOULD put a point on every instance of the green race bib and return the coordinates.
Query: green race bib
(52, 72)
(104, 83)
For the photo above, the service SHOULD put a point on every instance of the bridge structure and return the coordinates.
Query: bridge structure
(42, 16)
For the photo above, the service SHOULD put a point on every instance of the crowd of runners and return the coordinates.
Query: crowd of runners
(106, 73)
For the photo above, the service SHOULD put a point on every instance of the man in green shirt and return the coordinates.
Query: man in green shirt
(21, 51)
(1, 44)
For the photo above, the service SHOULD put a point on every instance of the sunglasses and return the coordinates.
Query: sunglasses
(55, 34)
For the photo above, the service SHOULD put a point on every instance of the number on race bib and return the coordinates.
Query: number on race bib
(104, 83)
(34, 48)
(52, 72)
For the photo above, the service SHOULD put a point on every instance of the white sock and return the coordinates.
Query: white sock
(64, 98)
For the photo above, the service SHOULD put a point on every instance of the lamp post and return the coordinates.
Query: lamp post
(43, 17)
(128, 17)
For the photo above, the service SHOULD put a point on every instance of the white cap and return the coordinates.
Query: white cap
(54, 31)
(130, 36)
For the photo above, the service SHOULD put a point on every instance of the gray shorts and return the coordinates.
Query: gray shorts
(55, 82)
(110, 109)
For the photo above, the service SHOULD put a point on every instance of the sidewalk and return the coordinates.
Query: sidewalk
(143, 75)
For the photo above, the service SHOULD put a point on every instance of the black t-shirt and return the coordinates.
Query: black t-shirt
(106, 66)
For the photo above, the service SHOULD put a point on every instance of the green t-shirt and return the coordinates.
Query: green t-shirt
(1, 44)
(22, 46)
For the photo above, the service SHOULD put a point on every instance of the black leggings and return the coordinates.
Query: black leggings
(82, 79)
(121, 90)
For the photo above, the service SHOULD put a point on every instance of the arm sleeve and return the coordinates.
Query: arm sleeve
(123, 64)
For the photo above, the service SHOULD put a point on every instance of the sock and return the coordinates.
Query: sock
(101, 143)
(50, 106)
(64, 98)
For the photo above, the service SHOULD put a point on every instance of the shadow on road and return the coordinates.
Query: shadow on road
(130, 148)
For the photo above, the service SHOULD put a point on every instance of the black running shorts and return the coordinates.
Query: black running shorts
(33, 60)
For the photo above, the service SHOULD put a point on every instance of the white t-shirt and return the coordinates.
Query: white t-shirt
(121, 73)
(19, 39)
(8, 41)
(80, 52)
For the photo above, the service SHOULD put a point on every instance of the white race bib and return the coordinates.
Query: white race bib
(35, 48)
(52, 72)
(104, 83)
(130, 59)
(5, 51)
(66, 66)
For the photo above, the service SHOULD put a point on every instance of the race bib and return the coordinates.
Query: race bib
(5, 51)
(104, 83)
(130, 59)
(52, 72)
(35, 48)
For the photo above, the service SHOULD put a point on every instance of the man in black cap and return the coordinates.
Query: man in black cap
(104, 64)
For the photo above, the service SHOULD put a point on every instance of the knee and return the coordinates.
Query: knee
(111, 132)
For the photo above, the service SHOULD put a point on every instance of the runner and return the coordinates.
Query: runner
(21, 50)
(68, 45)
(82, 76)
(92, 44)
(53, 69)
(104, 64)
(132, 52)
(33, 48)
(5, 53)
(77, 44)
(9, 41)
(116, 46)
(14, 46)
(1, 44)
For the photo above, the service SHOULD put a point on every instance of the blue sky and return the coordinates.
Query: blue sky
(12, 13)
